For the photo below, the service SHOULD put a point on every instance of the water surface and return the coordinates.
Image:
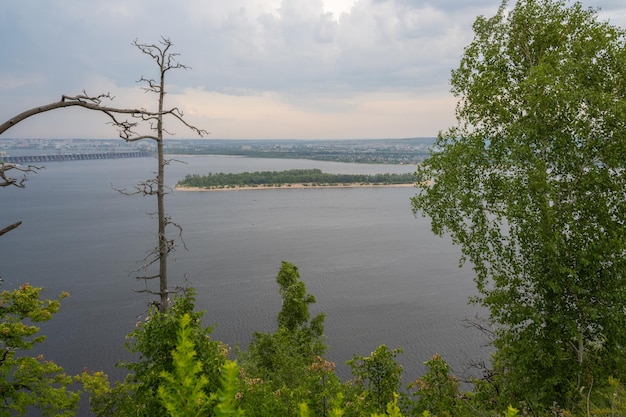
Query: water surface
(377, 271)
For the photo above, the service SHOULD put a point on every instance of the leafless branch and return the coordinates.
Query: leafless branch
(170, 160)
(10, 227)
(148, 277)
(160, 53)
(151, 258)
(147, 187)
(483, 325)
(176, 290)
(82, 100)
(6, 180)
(169, 221)
(86, 101)
(477, 370)
(147, 291)
(152, 84)
(179, 115)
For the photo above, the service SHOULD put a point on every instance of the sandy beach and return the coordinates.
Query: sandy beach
(291, 186)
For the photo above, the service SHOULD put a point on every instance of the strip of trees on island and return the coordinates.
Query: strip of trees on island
(310, 177)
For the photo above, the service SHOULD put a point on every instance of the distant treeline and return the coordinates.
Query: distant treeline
(293, 176)
(351, 155)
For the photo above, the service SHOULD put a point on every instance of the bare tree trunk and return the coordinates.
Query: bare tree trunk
(163, 242)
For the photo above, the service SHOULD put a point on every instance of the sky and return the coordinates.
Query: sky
(258, 69)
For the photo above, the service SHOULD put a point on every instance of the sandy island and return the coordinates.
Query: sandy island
(290, 186)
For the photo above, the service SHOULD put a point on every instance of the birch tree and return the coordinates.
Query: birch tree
(530, 183)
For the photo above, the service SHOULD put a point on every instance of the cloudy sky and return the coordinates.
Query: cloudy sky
(260, 69)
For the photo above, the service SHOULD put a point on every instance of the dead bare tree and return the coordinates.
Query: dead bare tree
(129, 130)
(165, 61)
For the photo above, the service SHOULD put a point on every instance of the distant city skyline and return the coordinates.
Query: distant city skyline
(378, 151)
(259, 69)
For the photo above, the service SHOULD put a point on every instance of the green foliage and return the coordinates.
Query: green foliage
(392, 409)
(280, 377)
(19, 305)
(610, 400)
(283, 356)
(438, 392)
(30, 382)
(155, 341)
(104, 400)
(182, 391)
(530, 185)
(277, 381)
(227, 404)
(294, 314)
(376, 380)
(285, 368)
(511, 412)
(293, 176)
(295, 309)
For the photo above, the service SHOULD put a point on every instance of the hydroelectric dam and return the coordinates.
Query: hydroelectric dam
(33, 159)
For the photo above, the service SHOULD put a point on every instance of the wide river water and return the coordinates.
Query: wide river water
(377, 271)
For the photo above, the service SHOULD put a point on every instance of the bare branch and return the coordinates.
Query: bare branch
(97, 100)
(170, 160)
(137, 138)
(147, 187)
(10, 227)
(6, 180)
(179, 115)
(477, 370)
(483, 325)
(94, 103)
(148, 277)
(87, 102)
(147, 291)
(156, 303)
(169, 221)
(150, 259)
(152, 87)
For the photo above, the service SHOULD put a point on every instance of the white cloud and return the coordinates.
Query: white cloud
(319, 66)
(10, 81)
(338, 7)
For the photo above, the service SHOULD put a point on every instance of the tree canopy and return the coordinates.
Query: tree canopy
(27, 382)
(291, 176)
(530, 183)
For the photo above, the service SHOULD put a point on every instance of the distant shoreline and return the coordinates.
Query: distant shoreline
(299, 186)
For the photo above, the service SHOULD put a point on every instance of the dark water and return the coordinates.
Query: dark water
(377, 271)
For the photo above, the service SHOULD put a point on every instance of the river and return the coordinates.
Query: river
(377, 271)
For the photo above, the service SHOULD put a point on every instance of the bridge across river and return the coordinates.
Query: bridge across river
(29, 159)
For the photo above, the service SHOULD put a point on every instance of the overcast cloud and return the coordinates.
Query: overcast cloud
(259, 68)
